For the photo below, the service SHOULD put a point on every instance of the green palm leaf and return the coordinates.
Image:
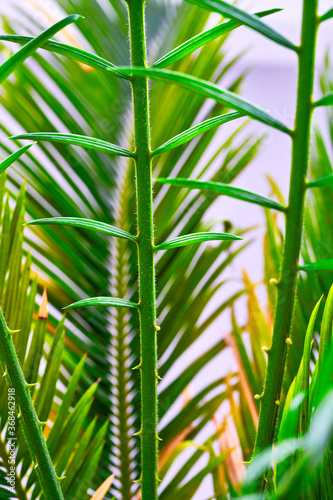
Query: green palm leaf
(15, 61)
(13, 157)
(209, 90)
(188, 239)
(250, 20)
(326, 100)
(193, 132)
(100, 227)
(63, 49)
(37, 342)
(327, 15)
(104, 301)
(77, 140)
(200, 40)
(224, 189)
(94, 187)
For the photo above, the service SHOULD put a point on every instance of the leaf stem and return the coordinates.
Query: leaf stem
(297, 189)
(49, 483)
(148, 364)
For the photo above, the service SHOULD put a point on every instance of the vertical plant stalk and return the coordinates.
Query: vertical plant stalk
(148, 363)
(270, 398)
(49, 480)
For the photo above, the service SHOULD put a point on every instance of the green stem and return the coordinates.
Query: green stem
(287, 283)
(35, 436)
(148, 364)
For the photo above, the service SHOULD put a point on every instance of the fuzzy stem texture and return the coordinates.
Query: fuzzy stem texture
(49, 480)
(270, 399)
(148, 364)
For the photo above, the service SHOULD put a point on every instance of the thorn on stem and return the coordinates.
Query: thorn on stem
(11, 332)
(31, 385)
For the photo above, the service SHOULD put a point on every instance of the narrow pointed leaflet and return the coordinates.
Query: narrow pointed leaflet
(7, 162)
(104, 301)
(200, 40)
(193, 132)
(320, 265)
(327, 180)
(250, 20)
(63, 49)
(209, 90)
(188, 239)
(100, 227)
(305, 366)
(327, 15)
(326, 100)
(76, 140)
(9, 66)
(226, 190)
(31, 425)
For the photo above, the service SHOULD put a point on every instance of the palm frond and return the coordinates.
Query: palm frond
(77, 264)
(39, 344)
(302, 456)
